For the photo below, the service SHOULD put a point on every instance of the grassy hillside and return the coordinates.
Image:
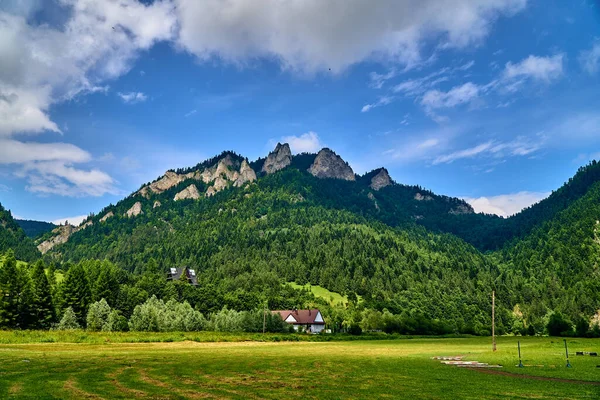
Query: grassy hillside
(332, 298)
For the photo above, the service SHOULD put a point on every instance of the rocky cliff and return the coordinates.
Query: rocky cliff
(381, 180)
(190, 192)
(278, 159)
(134, 211)
(327, 164)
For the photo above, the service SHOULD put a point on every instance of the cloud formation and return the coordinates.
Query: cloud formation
(132, 97)
(317, 35)
(306, 143)
(590, 59)
(507, 204)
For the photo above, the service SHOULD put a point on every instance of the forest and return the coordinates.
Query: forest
(418, 267)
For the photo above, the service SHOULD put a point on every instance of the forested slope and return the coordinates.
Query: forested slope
(13, 237)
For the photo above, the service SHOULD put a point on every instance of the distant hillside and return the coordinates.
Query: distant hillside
(34, 229)
(309, 219)
(13, 237)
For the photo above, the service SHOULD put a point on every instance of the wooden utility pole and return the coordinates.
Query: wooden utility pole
(264, 318)
(493, 320)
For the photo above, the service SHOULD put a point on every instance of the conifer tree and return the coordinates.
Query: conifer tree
(9, 292)
(106, 286)
(42, 304)
(76, 292)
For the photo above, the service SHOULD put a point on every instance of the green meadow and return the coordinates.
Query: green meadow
(107, 367)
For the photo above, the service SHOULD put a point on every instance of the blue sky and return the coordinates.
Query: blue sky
(495, 101)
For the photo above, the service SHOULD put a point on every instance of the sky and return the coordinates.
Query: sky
(493, 101)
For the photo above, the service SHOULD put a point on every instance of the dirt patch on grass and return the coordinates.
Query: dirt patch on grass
(186, 393)
(78, 393)
(16, 388)
(114, 379)
(534, 377)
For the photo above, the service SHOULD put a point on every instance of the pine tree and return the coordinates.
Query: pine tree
(76, 292)
(9, 292)
(42, 304)
(106, 287)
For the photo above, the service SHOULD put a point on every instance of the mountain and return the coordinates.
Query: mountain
(13, 237)
(34, 229)
(248, 225)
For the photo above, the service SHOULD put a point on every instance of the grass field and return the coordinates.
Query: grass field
(332, 297)
(330, 370)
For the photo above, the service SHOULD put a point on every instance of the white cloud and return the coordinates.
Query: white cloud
(48, 168)
(42, 64)
(383, 101)
(590, 59)
(16, 152)
(317, 35)
(132, 97)
(519, 146)
(189, 114)
(306, 143)
(537, 68)
(75, 221)
(4, 188)
(507, 204)
(378, 80)
(463, 94)
(466, 153)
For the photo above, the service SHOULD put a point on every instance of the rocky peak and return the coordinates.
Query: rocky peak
(327, 164)
(190, 192)
(134, 211)
(278, 159)
(246, 174)
(381, 180)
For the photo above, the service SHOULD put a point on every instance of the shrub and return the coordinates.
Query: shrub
(68, 321)
(559, 325)
(115, 322)
(97, 315)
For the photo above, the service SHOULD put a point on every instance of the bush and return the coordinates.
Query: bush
(115, 322)
(156, 316)
(559, 325)
(582, 327)
(97, 315)
(68, 321)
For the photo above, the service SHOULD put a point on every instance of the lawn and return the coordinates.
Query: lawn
(341, 369)
(332, 297)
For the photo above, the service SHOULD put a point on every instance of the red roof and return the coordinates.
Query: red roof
(302, 317)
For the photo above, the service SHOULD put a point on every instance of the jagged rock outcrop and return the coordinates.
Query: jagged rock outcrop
(61, 235)
(462, 209)
(210, 191)
(420, 197)
(246, 174)
(166, 182)
(157, 204)
(219, 184)
(381, 180)
(134, 211)
(107, 216)
(190, 192)
(278, 159)
(327, 164)
(374, 200)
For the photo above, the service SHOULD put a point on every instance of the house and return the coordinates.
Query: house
(303, 320)
(175, 274)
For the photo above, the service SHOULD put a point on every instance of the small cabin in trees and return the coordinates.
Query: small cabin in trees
(303, 320)
(175, 274)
